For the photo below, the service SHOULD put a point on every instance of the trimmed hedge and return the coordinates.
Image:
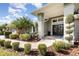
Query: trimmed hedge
(1, 33)
(60, 45)
(70, 26)
(69, 18)
(15, 45)
(69, 31)
(2, 42)
(24, 36)
(69, 38)
(42, 49)
(27, 48)
(13, 36)
(7, 34)
(7, 44)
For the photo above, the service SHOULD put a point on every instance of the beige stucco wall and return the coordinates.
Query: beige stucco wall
(47, 27)
(51, 10)
(54, 10)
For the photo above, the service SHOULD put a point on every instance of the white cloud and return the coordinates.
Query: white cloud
(13, 11)
(17, 9)
(19, 5)
(37, 5)
(17, 15)
(26, 15)
(5, 19)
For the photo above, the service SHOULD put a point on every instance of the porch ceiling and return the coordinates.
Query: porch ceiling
(51, 10)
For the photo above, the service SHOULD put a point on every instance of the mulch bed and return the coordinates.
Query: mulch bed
(30, 40)
(20, 51)
(74, 51)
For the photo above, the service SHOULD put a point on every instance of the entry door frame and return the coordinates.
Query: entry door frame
(56, 23)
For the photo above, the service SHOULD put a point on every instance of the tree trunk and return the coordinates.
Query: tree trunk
(21, 31)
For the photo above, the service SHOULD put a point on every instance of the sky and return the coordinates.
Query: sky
(11, 11)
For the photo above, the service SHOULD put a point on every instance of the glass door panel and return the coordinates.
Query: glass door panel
(58, 29)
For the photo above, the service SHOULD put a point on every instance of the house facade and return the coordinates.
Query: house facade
(52, 17)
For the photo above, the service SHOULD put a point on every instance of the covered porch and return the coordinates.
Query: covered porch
(54, 27)
(50, 20)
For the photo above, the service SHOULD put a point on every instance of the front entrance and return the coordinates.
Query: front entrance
(58, 29)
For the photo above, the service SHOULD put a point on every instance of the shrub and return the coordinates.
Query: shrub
(7, 34)
(69, 18)
(24, 36)
(69, 38)
(7, 44)
(69, 31)
(2, 42)
(13, 36)
(67, 46)
(15, 45)
(42, 49)
(60, 45)
(1, 33)
(27, 48)
(70, 26)
(4, 52)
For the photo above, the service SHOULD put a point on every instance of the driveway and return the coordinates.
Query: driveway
(48, 42)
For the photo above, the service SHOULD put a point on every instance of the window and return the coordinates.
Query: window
(54, 20)
(60, 19)
(58, 29)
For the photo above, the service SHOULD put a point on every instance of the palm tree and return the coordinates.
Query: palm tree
(22, 24)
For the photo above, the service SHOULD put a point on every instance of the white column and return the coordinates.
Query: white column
(65, 27)
(51, 28)
(40, 25)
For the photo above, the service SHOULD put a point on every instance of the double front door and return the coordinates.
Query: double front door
(58, 29)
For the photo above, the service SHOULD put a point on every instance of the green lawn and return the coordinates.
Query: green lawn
(4, 52)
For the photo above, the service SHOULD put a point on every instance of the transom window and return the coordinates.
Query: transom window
(60, 19)
(55, 20)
